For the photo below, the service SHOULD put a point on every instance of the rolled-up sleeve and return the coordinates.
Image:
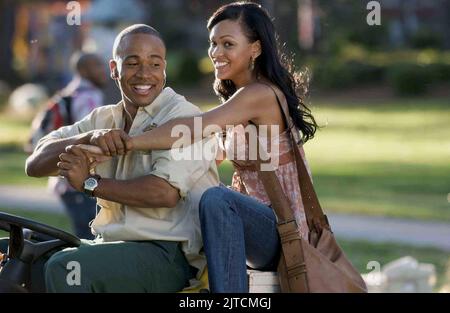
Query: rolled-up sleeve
(182, 168)
(85, 125)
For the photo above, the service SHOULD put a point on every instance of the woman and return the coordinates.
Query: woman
(238, 225)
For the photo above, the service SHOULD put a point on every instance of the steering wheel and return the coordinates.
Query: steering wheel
(14, 276)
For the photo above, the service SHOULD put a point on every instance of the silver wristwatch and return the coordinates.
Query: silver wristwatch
(90, 184)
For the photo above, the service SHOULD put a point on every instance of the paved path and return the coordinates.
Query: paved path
(381, 229)
(29, 198)
(375, 229)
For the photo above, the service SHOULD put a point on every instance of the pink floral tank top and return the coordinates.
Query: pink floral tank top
(246, 180)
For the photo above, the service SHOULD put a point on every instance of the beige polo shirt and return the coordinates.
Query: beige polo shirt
(115, 221)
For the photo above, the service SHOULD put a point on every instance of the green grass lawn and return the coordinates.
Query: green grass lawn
(362, 252)
(60, 221)
(14, 133)
(12, 168)
(389, 159)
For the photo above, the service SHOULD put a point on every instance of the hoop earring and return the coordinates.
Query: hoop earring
(252, 64)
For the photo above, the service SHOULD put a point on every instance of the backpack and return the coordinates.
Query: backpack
(56, 114)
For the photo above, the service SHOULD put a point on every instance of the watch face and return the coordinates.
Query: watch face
(90, 183)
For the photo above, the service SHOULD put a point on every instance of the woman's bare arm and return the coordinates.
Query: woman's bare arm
(247, 104)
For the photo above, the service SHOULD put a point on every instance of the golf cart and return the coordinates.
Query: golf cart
(29, 241)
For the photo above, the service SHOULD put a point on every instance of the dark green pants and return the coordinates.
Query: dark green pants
(132, 266)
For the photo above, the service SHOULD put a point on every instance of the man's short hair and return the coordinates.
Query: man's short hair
(131, 30)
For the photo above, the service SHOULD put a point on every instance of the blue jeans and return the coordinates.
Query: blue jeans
(237, 231)
(81, 210)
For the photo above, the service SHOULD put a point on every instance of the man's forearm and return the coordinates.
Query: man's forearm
(45, 157)
(145, 192)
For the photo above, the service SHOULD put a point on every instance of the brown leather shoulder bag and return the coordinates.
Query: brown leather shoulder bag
(315, 264)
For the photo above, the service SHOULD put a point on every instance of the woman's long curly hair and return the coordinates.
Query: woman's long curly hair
(271, 64)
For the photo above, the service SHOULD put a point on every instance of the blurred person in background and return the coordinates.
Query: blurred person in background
(81, 96)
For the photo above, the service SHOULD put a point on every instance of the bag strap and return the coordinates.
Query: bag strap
(67, 100)
(315, 217)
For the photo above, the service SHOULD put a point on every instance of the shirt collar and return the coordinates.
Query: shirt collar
(152, 109)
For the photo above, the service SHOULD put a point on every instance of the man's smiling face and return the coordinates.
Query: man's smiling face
(141, 64)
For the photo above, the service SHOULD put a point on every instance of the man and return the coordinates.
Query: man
(148, 230)
(84, 94)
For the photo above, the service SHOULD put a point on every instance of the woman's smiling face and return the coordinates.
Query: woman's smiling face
(230, 51)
